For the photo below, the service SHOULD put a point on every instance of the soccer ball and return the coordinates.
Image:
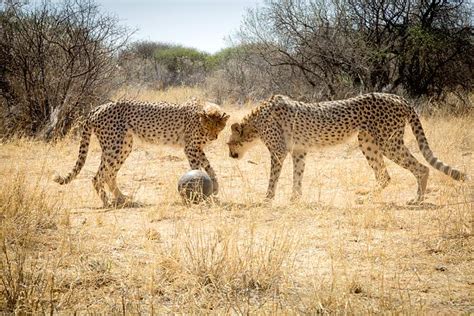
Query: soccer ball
(195, 186)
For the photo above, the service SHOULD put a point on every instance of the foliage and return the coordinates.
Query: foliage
(217, 60)
(173, 55)
(163, 65)
(182, 63)
(237, 75)
(329, 49)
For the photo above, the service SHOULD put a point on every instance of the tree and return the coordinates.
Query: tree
(186, 66)
(138, 64)
(162, 65)
(239, 75)
(59, 60)
(335, 46)
(416, 44)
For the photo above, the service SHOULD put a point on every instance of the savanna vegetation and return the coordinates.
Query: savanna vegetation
(333, 252)
(308, 49)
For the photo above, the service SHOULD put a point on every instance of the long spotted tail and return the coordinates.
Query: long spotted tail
(425, 149)
(81, 159)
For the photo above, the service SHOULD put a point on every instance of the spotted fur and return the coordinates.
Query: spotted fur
(191, 125)
(288, 126)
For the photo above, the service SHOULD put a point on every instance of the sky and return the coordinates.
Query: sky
(201, 24)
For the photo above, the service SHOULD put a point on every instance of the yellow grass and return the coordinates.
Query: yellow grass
(330, 253)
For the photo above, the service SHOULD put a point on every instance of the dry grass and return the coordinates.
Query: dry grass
(330, 253)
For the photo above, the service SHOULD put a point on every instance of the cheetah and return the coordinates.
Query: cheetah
(191, 125)
(288, 126)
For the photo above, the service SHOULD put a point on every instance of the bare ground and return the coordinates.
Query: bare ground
(333, 252)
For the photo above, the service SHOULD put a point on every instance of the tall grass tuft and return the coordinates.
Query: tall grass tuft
(225, 270)
(26, 216)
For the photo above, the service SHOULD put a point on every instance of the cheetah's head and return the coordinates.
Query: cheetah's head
(242, 138)
(213, 120)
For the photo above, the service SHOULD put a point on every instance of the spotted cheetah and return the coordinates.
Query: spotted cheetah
(191, 125)
(288, 126)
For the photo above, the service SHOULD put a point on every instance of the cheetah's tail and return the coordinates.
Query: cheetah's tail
(81, 159)
(425, 149)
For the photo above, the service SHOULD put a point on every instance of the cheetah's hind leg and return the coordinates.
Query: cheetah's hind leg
(98, 182)
(116, 158)
(399, 153)
(373, 154)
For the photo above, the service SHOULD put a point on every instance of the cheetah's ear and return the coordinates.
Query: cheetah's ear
(237, 128)
(224, 117)
(203, 117)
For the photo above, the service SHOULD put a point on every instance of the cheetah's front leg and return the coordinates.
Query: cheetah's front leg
(276, 164)
(298, 170)
(197, 159)
(210, 171)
